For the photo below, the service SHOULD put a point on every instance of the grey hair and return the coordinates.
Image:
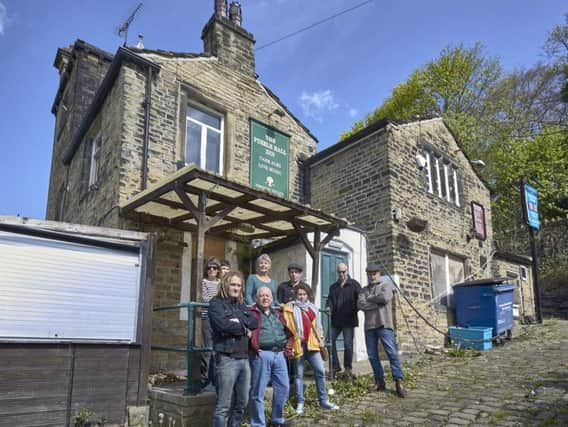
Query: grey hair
(263, 257)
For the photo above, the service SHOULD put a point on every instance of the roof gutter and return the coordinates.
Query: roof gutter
(122, 54)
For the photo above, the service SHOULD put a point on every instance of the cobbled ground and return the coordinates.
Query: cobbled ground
(521, 383)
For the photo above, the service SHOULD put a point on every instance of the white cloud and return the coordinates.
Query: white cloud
(353, 112)
(3, 17)
(315, 104)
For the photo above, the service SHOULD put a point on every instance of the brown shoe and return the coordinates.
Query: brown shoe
(378, 386)
(400, 390)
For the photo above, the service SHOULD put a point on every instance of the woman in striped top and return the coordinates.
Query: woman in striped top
(209, 289)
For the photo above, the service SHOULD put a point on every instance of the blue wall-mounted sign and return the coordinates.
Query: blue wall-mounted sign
(531, 206)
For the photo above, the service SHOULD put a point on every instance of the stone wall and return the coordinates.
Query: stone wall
(207, 82)
(448, 228)
(376, 176)
(97, 205)
(81, 77)
(552, 241)
(519, 274)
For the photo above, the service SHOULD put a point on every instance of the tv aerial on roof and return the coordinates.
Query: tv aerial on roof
(122, 30)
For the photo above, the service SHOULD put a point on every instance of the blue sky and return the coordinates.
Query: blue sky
(328, 76)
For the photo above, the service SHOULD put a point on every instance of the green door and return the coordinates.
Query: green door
(329, 261)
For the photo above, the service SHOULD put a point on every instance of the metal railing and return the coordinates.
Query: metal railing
(194, 386)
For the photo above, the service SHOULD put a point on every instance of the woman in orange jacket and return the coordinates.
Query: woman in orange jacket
(304, 320)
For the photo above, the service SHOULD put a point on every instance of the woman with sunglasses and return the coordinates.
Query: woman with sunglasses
(209, 288)
(305, 323)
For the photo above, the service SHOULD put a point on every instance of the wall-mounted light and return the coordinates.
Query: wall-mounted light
(479, 163)
(396, 214)
(420, 161)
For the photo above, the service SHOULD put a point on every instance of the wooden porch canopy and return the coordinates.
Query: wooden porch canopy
(201, 202)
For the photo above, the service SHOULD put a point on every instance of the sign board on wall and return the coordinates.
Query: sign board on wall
(478, 214)
(269, 159)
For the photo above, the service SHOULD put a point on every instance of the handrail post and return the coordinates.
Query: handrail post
(188, 354)
(192, 386)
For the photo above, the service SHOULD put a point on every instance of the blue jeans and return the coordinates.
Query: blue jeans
(268, 365)
(372, 337)
(232, 379)
(347, 348)
(316, 362)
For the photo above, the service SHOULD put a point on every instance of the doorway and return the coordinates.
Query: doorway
(329, 261)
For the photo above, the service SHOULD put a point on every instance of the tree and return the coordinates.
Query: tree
(454, 86)
(556, 47)
(515, 122)
(542, 159)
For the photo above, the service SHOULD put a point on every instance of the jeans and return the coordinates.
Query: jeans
(316, 362)
(268, 365)
(233, 379)
(207, 360)
(347, 348)
(386, 335)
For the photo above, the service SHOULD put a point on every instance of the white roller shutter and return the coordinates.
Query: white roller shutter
(56, 290)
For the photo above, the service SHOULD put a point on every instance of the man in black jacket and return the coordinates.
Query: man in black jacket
(342, 302)
(286, 291)
(231, 323)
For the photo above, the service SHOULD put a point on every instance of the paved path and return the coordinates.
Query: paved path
(524, 382)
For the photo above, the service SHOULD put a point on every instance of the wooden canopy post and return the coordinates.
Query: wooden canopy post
(315, 250)
(203, 224)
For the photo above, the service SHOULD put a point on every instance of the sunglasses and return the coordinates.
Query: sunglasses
(212, 267)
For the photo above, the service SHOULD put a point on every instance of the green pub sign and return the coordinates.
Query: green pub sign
(269, 154)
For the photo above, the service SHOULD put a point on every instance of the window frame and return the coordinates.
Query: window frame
(439, 171)
(205, 128)
(448, 286)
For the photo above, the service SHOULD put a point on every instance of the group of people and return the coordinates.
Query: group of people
(262, 334)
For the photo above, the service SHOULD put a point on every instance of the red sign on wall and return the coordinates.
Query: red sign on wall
(478, 215)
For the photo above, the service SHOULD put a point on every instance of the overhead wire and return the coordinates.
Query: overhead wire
(315, 24)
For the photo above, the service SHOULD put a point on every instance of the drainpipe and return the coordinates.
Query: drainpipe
(61, 208)
(147, 105)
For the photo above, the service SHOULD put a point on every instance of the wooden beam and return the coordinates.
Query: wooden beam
(316, 262)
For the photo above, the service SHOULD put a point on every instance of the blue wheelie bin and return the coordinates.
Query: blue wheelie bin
(485, 303)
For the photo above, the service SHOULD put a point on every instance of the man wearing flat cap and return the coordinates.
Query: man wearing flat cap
(286, 290)
(375, 300)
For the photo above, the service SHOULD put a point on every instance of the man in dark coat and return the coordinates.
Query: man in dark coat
(342, 302)
(286, 291)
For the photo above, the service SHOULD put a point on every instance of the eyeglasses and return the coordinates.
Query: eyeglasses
(342, 271)
(212, 267)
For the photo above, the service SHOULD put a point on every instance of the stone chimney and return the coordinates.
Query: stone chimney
(221, 8)
(227, 40)
(235, 13)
